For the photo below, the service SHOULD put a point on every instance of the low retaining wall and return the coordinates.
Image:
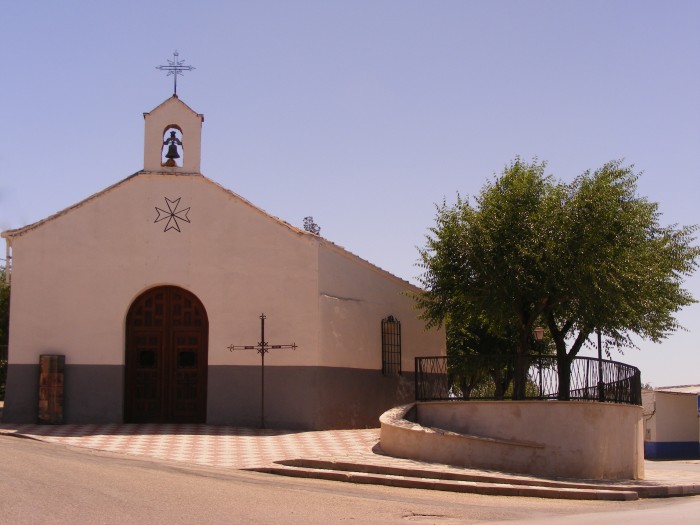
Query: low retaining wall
(570, 439)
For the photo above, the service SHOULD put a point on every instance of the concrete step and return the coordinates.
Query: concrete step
(645, 489)
(433, 480)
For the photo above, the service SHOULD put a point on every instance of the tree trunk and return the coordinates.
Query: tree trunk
(466, 388)
(521, 363)
(564, 373)
(565, 359)
(498, 384)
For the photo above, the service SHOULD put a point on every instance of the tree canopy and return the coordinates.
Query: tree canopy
(576, 257)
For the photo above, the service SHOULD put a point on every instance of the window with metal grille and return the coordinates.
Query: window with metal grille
(391, 346)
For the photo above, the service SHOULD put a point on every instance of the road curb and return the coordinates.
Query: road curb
(642, 490)
(470, 487)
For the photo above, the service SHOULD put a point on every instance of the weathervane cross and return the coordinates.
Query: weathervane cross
(175, 67)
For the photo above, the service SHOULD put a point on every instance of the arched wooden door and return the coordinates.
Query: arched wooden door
(166, 358)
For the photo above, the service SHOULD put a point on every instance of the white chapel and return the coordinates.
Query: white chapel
(144, 289)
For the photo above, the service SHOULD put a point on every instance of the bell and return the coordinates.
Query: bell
(172, 152)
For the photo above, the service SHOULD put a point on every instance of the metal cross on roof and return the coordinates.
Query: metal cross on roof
(175, 67)
(263, 347)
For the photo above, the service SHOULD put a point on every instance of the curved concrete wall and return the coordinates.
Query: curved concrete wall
(548, 438)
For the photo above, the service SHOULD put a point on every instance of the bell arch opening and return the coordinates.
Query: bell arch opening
(172, 152)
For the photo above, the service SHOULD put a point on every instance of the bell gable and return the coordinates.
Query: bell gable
(173, 138)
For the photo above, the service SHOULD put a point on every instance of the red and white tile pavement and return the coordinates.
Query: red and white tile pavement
(208, 445)
(244, 448)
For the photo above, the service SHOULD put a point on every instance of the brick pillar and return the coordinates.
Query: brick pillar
(51, 389)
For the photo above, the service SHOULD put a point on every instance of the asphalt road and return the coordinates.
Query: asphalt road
(44, 483)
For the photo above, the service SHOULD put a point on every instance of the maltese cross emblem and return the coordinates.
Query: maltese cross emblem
(172, 214)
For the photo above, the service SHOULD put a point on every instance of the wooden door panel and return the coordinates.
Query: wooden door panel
(187, 384)
(145, 388)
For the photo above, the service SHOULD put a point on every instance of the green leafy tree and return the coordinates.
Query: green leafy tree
(474, 353)
(581, 256)
(487, 260)
(621, 271)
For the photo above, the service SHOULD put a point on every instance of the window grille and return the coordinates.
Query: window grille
(391, 346)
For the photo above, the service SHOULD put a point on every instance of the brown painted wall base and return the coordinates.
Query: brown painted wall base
(21, 394)
(313, 398)
(92, 394)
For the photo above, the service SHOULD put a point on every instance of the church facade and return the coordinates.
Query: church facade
(149, 287)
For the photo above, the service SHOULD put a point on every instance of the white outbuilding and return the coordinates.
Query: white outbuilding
(672, 422)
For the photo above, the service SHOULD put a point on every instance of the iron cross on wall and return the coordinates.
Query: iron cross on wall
(262, 348)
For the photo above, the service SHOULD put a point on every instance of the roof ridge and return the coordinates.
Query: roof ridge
(168, 100)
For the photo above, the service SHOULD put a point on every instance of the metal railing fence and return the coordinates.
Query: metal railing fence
(493, 377)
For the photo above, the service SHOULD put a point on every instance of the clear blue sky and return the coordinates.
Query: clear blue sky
(363, 114)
